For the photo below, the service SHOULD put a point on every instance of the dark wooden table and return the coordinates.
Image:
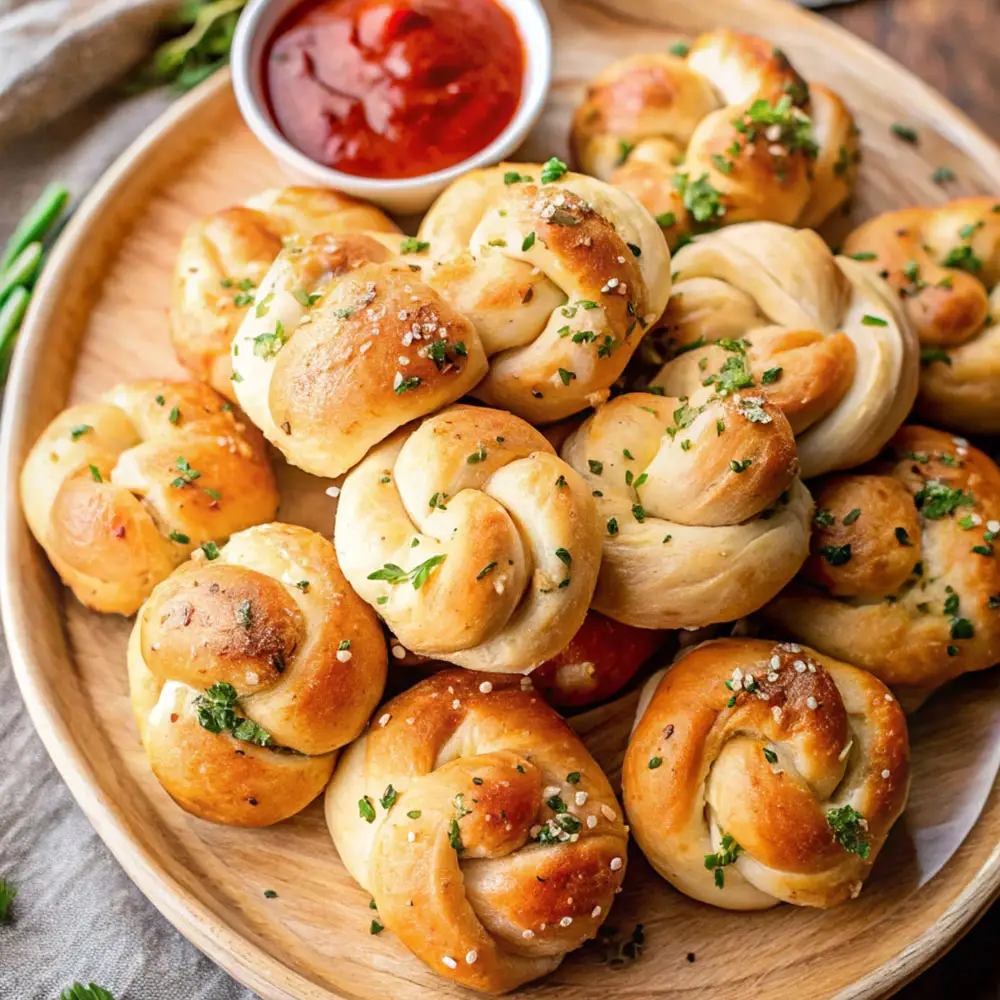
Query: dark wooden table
(954, 46)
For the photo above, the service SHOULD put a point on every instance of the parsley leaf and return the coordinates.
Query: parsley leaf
(553, 169)
(412, 245)
(937, 501)
(394, 574)
(716, 863)
(849, 828)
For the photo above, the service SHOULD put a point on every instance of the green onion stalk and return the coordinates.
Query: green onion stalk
(21, 263)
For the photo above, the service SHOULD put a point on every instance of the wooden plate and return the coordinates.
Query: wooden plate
(99, 318)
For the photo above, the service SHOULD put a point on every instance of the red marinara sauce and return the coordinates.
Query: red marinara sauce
(394, 88)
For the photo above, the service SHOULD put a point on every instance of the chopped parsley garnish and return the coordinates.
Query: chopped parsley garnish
(963, 258)
(770, 756)
(486, 570)
(389, 797)
(412, 245)
(961, 628)
(928, 355)
(849, 828)
(624, 151)
(529, 242)
(733, 376)
(513, 177)
(375, 928)
(936, 501)
(95, 474)
(179, 537)
(394, 574)
(174, 415)
(680, 49)
(721, 164)
(851, 516)
(864, 255)
(654, 763)
(666, 219)
(211, 550)
(836, 555)
(573, 777)
(553, 169)
(406, 384)
(187, 473)
(868, 320)
(566, 376)
(437, 351)
(795, 125)
(716, 863)
(595, 467)
(216, 710)
(904, 132)
(414, 814)
(942, 175)
(564, 556)
(267, 345)
(612, 526)
(903, 537)
(824, 518)
(303, 585)
(479, 455)
(771, 376)
(366, 810)
(740, 464)
(304, 298)
(77, 432)
(703, 201)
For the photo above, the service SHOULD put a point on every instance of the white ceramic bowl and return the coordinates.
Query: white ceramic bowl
(404, 195)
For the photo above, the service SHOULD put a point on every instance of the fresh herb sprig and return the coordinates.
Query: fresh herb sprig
(199, 36)
(217, 713)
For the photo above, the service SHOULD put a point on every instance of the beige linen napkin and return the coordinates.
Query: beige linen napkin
(56, 53)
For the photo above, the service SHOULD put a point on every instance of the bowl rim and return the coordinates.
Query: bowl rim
(253, 32)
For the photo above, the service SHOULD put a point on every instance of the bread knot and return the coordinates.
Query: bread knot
(121, 491)
(761, 773)
(944, 264)
(720, 132)
(248, 670)
(489, 838)
(473, 540)
(824, 339)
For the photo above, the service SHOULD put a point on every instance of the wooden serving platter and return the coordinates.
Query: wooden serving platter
(99, 317)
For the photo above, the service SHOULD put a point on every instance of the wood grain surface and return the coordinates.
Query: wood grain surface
(99, 318)
(951, 45)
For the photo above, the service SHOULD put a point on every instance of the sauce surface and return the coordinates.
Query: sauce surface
(393, 88)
